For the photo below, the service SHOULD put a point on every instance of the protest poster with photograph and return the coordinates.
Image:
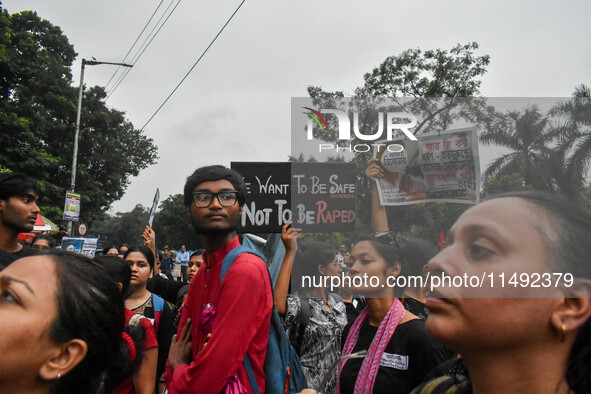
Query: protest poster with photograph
(442, 166)
(322, 196)
(72, 207)
(85, 246)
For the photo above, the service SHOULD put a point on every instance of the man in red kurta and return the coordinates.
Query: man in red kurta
(199, 363)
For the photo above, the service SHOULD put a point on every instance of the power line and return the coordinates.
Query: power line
(145, 45)
(195, 64)
(135, 42)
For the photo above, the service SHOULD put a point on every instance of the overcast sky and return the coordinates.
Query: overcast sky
(235, 105)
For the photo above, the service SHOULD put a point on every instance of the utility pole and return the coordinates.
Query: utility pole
(77, 129)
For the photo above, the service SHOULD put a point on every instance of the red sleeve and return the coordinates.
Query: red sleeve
(242, 324)
(150, 340)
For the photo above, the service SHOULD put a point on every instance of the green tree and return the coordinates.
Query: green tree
(439, 87)
(573, 134)
(124, 227)
(37, 116)
(528, 139)
(432, 73)
(503, 184)
(172, 225)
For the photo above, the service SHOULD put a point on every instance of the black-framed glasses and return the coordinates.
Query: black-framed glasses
(204, 199)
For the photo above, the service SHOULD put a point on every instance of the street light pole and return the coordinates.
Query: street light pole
(77, 128)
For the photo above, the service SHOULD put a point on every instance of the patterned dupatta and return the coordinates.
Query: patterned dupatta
(369, 369)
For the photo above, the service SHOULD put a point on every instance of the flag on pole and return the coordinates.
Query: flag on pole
(441, 239)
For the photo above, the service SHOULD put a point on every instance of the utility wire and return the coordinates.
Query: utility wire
(145, 46)
(135, 42)
(195, 64)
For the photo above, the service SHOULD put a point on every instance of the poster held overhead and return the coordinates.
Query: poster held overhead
(154, 206)
(442, 166)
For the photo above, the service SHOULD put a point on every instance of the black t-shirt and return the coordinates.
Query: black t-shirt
(24, 252)
(6, 258)
(416, 307)
(354, 309)
(410, 355)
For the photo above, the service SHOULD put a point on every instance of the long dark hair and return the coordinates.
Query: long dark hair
(569, 246)
(90, 308)
(119, 271)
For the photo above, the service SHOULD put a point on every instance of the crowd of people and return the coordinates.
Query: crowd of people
(122, 323)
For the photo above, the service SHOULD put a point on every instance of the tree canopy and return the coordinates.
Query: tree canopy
(171, 225)
(551, 151)
(37, 119)
(439, 87)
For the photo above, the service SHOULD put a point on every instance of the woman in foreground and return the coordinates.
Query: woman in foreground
(519, 338)
(62, 324)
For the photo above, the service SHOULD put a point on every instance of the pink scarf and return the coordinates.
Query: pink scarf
(369, 369)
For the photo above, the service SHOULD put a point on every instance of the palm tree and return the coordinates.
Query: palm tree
(574, 140)
(527, 138)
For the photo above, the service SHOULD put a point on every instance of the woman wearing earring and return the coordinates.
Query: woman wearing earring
(528, 335)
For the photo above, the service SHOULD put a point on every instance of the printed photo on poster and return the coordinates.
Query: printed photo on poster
(442, 166)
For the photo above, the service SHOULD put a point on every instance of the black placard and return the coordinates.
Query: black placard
(268, 192)
(322, 196)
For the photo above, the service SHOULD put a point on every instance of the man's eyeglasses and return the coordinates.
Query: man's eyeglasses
(204, 199)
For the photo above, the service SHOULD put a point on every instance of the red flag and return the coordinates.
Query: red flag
(441, 240)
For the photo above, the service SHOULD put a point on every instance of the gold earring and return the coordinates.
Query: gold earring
(562, 333)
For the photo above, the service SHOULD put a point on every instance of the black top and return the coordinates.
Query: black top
(24, 252)
(354, 309)
(408, 358)
(6, 258)
(163, 334)
(165, 288)
(416, 307)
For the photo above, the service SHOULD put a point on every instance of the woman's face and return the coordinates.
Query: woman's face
(368, 264)
(140, 269)
(194, 265)
(494, 239)
(331, 269)
(27, 309)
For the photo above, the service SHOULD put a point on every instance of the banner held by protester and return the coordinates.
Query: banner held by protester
(317, 197)
(442, 166)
